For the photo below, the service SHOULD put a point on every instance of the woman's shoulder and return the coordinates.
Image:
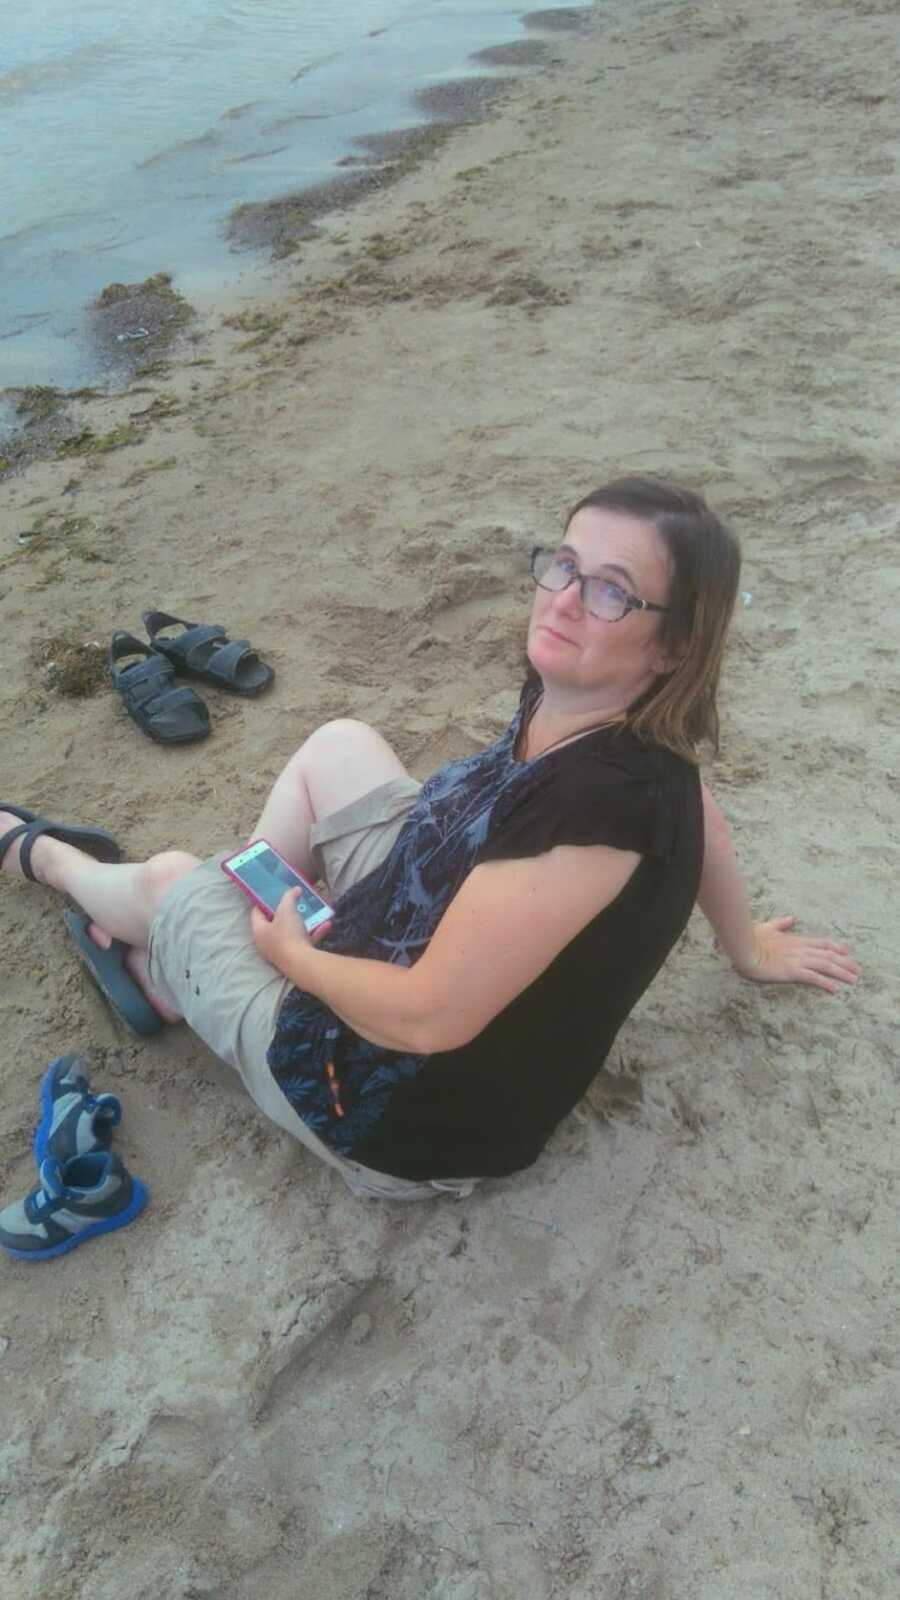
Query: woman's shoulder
(616, 754)
(611, 750)
(596, 791)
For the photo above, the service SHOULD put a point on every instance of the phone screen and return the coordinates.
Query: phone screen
(269, 877)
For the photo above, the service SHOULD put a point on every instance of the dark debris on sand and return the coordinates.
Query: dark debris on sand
(461, 99)
(42, 425)
(131, 326)
(568, 19)
(133, 322)
(70, 664)
(518, 53)
(282, 224)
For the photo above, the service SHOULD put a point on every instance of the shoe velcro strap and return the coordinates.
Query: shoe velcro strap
(150, 670)
(203, 633)
(50, 1197)
(154, 697)
(43, 1218)
(226, 660)
(40, 1205)
(109, 1106)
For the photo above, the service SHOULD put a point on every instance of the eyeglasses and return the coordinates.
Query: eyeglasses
(603, 599)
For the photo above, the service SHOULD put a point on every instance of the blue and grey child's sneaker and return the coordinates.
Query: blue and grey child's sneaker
(73, 1121)
(88, 1195)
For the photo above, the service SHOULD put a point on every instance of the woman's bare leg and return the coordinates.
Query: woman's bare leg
(121, 900)
(338, 764)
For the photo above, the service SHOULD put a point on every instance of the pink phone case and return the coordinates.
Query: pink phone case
(250, 893)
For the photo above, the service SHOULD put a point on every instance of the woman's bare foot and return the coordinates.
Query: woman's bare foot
(137, 963)
(124, 896)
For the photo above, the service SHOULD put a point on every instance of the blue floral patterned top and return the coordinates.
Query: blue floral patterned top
(490, 1106)
(390, 915)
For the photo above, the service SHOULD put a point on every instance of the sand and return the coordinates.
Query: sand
(663, 1362)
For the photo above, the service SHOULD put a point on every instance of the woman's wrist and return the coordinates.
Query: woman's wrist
(744, 954)
(284, 942)
(300, 963)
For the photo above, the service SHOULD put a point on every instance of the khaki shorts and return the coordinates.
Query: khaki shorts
(204, 963)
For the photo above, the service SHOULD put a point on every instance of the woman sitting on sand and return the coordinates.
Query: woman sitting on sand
(494, 927)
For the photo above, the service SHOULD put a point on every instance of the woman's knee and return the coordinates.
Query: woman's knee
(161, 871)
(335, 739)
(328, 743)
(344, 759)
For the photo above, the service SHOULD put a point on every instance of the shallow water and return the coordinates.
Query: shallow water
(128, 131)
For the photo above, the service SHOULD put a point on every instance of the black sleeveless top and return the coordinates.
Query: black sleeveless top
(489, 1107)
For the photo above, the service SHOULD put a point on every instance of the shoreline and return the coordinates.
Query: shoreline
(659, 1361)
(282, 222)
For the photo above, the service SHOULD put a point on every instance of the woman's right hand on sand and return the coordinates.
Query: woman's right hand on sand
(781, 956)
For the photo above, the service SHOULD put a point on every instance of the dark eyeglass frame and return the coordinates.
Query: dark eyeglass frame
(631, 601)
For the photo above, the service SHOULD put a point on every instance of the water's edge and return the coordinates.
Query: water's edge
(278, 225)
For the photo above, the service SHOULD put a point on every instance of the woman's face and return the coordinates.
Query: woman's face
(585, 658)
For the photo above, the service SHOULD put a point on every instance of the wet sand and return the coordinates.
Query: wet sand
(661, 1363)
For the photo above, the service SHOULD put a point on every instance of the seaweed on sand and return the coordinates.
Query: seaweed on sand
(129, 321)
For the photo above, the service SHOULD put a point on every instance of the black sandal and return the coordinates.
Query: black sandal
(165, 713)
(118, 988)
(204, 650)
(94, 842)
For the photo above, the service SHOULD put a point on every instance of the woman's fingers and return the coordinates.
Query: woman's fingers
(816, 980)
(826, 974)
(828, 961)
(807, 958)
(787, 957)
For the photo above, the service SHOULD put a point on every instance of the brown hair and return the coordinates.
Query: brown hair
(679, 709)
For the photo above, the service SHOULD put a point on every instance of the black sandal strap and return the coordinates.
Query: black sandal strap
(225, 661)
(152, 666)
(146, 680)
(181, 646)
(187, 646)
(155, 621)
(55, 830)
(10, 837)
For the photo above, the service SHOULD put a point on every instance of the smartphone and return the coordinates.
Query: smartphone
(265, 878)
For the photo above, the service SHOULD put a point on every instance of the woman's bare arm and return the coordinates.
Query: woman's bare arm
(502, 929)
(765, 951)
(723, 896)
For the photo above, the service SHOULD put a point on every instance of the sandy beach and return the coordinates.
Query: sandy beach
(661, 1364)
